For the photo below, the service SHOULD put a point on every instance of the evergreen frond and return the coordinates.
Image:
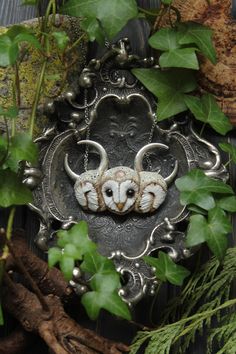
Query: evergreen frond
(224, 333)
(211, 284)
(161, 340)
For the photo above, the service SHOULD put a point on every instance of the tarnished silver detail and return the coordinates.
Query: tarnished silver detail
(119, 115)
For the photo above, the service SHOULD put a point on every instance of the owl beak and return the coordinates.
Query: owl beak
(120, 206)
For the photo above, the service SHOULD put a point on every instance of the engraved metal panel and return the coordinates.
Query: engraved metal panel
(112, 108)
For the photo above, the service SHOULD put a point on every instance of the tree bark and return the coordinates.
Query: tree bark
(61, 333)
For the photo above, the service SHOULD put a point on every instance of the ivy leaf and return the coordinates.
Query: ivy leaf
(21, 148)
(8, 51)
(104, 284)
(11, 112)
(218, 227)
(61, 38)
(200, 35)
(165, 39)
(71, 251)
(54, 256)
(170, 87)
(107, 284)
(207, 111)
(94, 30)
(67, 265)
(213, 231)
(112, 15)
(78, 236)
(180, 58)
(12, 191)
(196, 188)
(9, 48)
(196, 209)
(167, 269)
(29, 38)
(230, 149)
(94, 301)
(96, 263)
(227, 203)
(197, 231)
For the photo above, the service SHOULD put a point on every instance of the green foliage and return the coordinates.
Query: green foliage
(102, 18)
(11, 112)
(75, 245)
(9, 44)
(180, 58)
(187, 315)
(207, 111)
(230, 149)
(21, 148)
(166, 269)
(201, 36)
(227, 203)
(167, 40)
(170, 87)
(212, 227)
(196, 188)
(213, 231)
(12, 191)
(61, 39)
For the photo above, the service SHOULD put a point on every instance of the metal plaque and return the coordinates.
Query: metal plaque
(112, 107)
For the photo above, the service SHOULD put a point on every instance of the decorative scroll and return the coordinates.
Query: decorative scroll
(113, 109)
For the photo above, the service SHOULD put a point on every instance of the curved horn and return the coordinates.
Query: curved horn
(69, 171)
(138, 162)
(170, 178)
(103, 155)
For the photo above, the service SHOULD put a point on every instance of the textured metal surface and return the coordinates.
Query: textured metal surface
(121, 116)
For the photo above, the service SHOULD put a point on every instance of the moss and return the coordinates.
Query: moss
(57, 78)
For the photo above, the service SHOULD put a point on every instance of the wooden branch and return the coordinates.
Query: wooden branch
(61, 333)
(50, 281)
(17, 342)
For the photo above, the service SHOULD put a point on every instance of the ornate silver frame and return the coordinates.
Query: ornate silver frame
(119, 114)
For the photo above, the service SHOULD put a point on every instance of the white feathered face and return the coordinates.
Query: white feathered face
(120, 189)
(120, 197)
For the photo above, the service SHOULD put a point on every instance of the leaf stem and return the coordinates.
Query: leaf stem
(8, 143)
(153, 304)
(37, 97)
(203, 315)
(157, 23)
(43, 68)
(145, 11)
(202, 129)
(76, 42)
(228, 162)
(10, 223)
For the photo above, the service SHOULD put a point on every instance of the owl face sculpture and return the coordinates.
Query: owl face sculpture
(120, 189)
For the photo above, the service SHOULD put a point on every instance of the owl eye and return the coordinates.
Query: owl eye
(109, 192)
(130, 193)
